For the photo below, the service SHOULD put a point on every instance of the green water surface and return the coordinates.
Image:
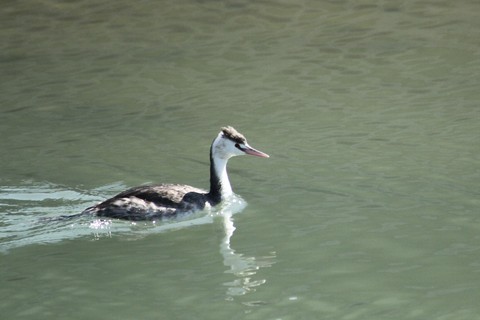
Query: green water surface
(367, 209)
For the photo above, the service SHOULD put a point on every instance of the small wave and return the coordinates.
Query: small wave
(29, 215)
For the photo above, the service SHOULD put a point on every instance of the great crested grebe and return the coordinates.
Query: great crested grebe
(152, 202)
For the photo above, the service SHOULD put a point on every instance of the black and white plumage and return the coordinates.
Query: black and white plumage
(153, 202)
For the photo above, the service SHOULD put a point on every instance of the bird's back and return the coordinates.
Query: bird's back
(152, 202)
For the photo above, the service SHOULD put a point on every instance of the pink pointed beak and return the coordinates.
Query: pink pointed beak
(254, 152)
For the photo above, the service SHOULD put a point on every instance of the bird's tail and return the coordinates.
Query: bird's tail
(87, 212)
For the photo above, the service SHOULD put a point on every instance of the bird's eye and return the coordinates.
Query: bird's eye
(238, 146)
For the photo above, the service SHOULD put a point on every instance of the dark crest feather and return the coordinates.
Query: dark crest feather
(232, 134)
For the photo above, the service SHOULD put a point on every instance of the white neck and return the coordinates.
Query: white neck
(220, 166)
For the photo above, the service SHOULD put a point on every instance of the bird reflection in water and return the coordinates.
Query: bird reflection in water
(244, 268)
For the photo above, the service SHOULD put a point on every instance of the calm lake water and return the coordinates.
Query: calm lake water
(367, 209)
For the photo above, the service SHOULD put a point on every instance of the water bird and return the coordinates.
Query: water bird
(160, 201)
